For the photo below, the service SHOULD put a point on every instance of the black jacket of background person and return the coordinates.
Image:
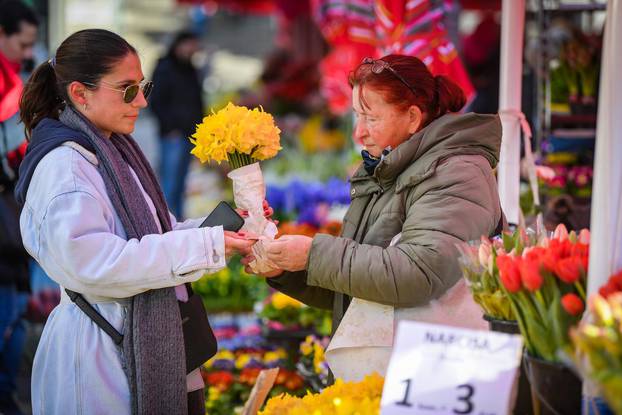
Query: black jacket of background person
(176, 99)
(13, 257)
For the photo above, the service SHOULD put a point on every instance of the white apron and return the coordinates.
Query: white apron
(363, 341)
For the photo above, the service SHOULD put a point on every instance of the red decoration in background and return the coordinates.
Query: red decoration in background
(380, 27)
(359, 28)
(335, 68)
(488, 5)
(11, 87)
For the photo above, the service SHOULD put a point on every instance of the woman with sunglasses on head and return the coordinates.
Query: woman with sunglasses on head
(95, 218)
(426, 183)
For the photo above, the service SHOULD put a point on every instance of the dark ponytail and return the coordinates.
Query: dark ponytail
(85, 56)
(450, 97)
(40, 98)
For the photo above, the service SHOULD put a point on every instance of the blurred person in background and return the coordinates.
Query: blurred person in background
(178, 105)
(481, 50)
(18, 32)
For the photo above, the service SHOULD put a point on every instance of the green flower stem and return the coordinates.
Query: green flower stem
(580, 289)
(522, 324)
(237, 159)
(540, 302)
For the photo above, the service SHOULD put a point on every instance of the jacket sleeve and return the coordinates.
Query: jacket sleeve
(187, 224)
(422, 265)
(76, 237)
(295, 285)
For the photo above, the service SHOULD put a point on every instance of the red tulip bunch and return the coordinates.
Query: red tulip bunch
(546, 286)
(613, 285)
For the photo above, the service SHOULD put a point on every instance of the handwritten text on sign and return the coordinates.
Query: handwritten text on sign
(438, 369)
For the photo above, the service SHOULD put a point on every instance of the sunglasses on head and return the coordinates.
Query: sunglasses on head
(129, 92)
(378, 65)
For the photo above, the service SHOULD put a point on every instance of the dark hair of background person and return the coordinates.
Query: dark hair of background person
(434, 95)
(85, 56)
(13, 13)
(180, 37)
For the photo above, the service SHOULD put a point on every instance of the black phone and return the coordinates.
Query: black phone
(224, 215)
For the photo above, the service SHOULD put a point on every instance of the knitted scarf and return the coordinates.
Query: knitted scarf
(153, 343)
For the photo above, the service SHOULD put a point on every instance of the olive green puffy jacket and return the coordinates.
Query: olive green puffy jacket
(437, 189)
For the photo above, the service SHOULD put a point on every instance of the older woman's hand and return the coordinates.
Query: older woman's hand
(250, 258)
(290, 252)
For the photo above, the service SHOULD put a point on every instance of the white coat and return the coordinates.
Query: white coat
(70, 227)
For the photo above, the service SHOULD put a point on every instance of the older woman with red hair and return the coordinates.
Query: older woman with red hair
(426, 183)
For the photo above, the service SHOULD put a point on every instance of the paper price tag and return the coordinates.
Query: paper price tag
(438, 369)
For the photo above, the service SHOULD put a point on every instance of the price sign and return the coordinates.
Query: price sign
(438, 369)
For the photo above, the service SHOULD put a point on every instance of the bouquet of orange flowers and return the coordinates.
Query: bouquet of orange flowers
(242, 137)
(546, 286)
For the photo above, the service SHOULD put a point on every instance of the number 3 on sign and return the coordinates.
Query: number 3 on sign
(465, 399)
(443, 370)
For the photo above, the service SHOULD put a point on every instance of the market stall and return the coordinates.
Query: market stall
(530, 283)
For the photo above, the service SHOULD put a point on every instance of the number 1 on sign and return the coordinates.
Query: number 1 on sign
(404, 402)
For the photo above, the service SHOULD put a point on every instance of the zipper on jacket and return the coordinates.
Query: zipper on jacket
(362, 228)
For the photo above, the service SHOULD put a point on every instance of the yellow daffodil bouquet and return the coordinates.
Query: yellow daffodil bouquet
(362, 398)
(242, 137)
(237, 135)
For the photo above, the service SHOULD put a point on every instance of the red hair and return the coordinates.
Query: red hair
(434, 95)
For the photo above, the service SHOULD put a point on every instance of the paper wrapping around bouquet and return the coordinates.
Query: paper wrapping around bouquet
(249, 192)
(363, 341)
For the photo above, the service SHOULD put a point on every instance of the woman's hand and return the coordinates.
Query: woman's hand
(237, 243)
(250, 258)
(290, 252)
(267, 212)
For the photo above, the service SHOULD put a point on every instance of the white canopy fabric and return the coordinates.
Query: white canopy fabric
(512, 27)
(606, 219)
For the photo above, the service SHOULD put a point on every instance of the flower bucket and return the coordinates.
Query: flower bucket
(523, 404)
(557, 387)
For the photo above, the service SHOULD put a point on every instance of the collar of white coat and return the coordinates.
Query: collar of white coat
(91, 158)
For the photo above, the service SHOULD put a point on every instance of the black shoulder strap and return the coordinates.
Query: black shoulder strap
(97, 318)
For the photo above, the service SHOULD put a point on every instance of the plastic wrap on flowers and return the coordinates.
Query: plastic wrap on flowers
(249, 192)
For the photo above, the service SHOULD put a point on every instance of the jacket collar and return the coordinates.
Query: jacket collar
(416, 159)
(46, 136)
